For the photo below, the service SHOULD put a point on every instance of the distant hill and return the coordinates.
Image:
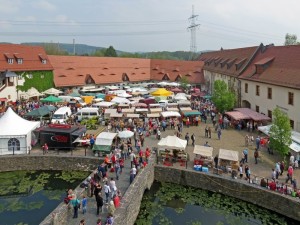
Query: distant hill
(82, 49)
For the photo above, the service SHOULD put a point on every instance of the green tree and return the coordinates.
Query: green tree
(99, 52)
(223, 98)
(291, 39)
(54, 49)
(184, 82)
(110, 52)
(280, 133)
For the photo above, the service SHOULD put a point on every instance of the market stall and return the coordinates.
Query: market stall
(132, 115)
(228, 160)
(104, 143)
(172, 149)
(173, 109)
(155, 110)
(203, 155)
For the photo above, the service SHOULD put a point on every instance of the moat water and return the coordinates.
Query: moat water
(171, 204)
(27, 197)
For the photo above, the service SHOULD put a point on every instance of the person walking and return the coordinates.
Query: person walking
(117, 169)
(84, 204)
(256, 155)
(187, 138)
(257, 142)
(206, 131)
(290, 174)
(219, 133)
(247, 172)
(209, 132)
(241, 171)
(99, 202)
(106, 191)
(193, 139)
(245, 155)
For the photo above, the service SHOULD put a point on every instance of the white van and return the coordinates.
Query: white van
(88, 112)
(61, 115)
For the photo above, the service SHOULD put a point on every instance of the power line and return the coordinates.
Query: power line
(192, 28)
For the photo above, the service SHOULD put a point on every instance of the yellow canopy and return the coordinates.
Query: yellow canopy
(161, 92)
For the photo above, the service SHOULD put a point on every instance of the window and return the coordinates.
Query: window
(13, 144)
(44, 61)
(270, 114)
(269, 93)
(42, 76)
(20, 77)
(257, 90)
(29, 76)
(246, 87)
(257, 108)
(20, 61)
(10, 61)
(291, 98)
(292, 124)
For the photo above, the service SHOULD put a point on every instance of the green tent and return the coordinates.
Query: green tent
(100, 95)
(192, 113)
(40, 112)
(51, 98)
(207, 97)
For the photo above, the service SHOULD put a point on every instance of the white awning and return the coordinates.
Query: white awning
(228, 155)
(203, 150)
(153, 115)
(105, 138)
(133, 115)
(116, 115)
(155, 110)
(170, 114)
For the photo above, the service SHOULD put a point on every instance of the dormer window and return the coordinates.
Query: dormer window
(44, 61)
(20, 61)
(10, 61)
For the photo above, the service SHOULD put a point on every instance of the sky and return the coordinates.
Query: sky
(150, 25)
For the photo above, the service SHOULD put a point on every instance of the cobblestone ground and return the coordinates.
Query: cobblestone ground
(230, 139)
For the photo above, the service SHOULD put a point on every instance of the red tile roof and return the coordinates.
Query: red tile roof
(76, 70)
(230, 62)
(174, 69)
(29, 55)
(282, 66)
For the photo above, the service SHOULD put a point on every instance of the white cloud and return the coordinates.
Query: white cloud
(44, 5)
(8, 7)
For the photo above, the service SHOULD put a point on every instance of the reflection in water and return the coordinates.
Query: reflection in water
(27, 197)
(167, 204)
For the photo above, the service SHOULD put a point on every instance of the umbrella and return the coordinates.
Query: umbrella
(139, 104)
(52, 91)
(161, 92)
(32, 92)
(51, 98)
(125, 134)
(176, 90)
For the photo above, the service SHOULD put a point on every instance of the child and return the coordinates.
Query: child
(84, 204)
(99, 222)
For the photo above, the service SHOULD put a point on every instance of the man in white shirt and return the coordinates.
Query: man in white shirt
(132, 157)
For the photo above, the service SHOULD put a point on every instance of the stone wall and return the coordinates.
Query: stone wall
(47, 162)
(129, 209)
(248, 192)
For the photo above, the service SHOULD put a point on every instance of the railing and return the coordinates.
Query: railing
(282, 188)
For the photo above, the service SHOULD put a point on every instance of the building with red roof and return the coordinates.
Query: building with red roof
(271, 80)
(72, 71)
(263, 77)
(23, 66)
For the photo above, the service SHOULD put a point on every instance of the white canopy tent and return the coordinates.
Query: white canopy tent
(124, 95)
(120, 100)
(153, 115)
(105, 138)
(105, 104)
(170, 114)
(52, 91)
(203, 150)
(32, 92)
(15, 133)
(228, 155)
(172, 142)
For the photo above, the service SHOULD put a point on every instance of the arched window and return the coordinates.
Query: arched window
(125, 77)
(13, 144)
